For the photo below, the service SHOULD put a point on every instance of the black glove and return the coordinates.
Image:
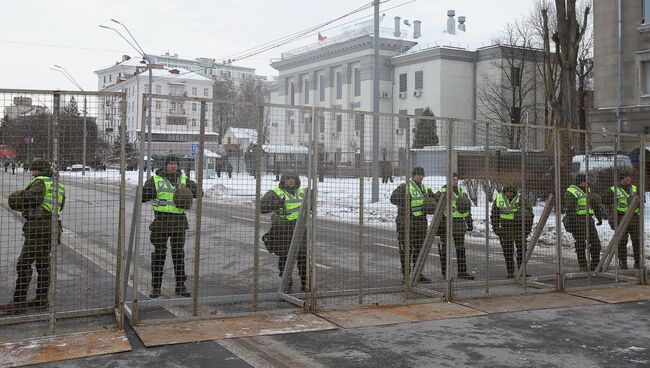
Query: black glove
(599, 222)
(470, 225)
(612, 225)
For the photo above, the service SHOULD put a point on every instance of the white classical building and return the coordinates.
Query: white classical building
(175, 123)
(443, 71)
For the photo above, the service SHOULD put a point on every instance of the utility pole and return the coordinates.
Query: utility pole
(67, 74)
(375, 110)
(149, 63)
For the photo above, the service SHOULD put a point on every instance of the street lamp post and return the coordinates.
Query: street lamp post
(67, 74)
(139, 50)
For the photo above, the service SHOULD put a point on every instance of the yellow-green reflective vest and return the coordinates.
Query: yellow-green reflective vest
(292, 204)
(48, 199)
(581, 198)
(164, 201)
(507, 209)
(417, 198)
(454, 197)
(623, 198)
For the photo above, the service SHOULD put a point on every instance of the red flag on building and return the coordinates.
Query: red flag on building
(321, 38)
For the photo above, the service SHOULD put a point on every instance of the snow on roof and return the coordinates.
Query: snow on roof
(166, 131)
(244, 133)
(208, 153)
(181, 75)
(284, 149)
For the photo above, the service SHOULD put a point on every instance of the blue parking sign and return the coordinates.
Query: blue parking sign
(195, 149)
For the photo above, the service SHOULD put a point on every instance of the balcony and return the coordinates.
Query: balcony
(177, 112)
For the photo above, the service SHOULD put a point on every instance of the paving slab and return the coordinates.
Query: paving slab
(517, 303)
(618, 294)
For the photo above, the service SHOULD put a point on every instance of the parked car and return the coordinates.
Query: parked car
(78, 167)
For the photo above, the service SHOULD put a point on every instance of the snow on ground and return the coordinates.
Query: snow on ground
(339, 199)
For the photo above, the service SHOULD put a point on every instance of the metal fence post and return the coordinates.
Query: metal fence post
(487, 207)
(642, 173)
(523, 203)
(54, 221)
(558, 211)
(121, 266)
(449, 220)
(199, 213)
(312, 297)
(407, 213)
(361, 203)
(258, 206)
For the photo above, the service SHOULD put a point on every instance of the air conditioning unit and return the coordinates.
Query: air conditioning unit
(274, 124)
(417, 93)
(384, 95)
(402, 95)
(399, 131)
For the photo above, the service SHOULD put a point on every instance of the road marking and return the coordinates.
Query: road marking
(323, 266)
(394, 247)
(249, 220)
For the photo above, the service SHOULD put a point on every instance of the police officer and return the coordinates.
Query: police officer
(417, 194)
(461, 212)
(36, 203)
(505, 217)
(164, 188)
(285, 202)
(581, 207)
(617, 198)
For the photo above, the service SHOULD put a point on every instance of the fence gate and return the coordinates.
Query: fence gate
(61, 281)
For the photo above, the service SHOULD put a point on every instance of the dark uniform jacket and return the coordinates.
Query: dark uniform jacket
(571, 220)
(281, 232)
(29, 202)
(178, 221)
(506, 227)
(401, 195)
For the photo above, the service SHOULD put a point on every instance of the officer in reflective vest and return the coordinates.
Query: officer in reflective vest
(617, 200)
(170, 222)
(461, 213)
(36, 202)
(581, 206)
(285, 204)
(416, 193)
(506, 220)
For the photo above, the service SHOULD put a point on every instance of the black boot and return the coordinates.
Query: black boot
(181, 291)
(14, 307)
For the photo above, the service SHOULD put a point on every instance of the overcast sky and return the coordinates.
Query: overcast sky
(37, 34)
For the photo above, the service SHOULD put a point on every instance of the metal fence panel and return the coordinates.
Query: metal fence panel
(60, 275)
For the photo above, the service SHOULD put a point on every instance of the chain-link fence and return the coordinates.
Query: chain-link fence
(62, 221)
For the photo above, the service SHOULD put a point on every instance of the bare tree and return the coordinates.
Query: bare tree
(507, 97)
(253, 93)
(224, 107)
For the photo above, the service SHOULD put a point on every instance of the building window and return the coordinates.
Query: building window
(306, 91)
(172, 106)
(515, 76)
(339, 86)
(419, 80)
(158, 105)
(193, 122)
(292, 95)
(307, 125)
(403, 122)
(292, 126)
(646, 78)
(176, 120)
(194, 107)
(357, 121)
(110, 77)
(157, 121)
(357, 82)
(104, 79)
(322, 124)
(158, 89)
(206, 92)
(194, 91)
(321, 88)
(646, 12)
(338, 155)
(402, 83)
(339, 123)
(419, 112)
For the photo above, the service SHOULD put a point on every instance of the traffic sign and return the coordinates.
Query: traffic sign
(195, 149)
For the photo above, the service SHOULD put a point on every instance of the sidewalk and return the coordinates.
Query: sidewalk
(599, 335)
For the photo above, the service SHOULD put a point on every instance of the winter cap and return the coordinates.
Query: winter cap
(417, 171)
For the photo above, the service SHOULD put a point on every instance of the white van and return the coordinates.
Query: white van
(600, 162)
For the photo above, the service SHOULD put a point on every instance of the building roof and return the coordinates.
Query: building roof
(243, 133)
